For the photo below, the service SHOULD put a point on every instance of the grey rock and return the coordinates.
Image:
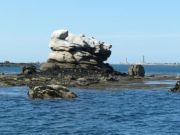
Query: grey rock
(59, 34)
(50, 91)
(70, 50)
(49, 66)
(62, 56)
(28, 70)
(82, 55)
(136, 70)
(62, 45)
(76, 39)
(85, 81)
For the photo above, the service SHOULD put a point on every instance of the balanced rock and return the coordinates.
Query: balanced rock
(78, 51)
(136, 70)
(50, 91)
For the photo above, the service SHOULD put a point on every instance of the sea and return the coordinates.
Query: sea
(105, 111)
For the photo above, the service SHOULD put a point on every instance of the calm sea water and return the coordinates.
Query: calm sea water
(10, 70)
(94, 112)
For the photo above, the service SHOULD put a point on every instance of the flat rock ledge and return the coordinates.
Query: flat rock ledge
(94, 81)
(50, 91)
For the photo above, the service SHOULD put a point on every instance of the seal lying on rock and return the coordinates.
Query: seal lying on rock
(50, 91)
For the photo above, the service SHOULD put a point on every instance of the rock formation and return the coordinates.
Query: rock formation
(28, 70)
(136, 70)
(50, 91)
(77, 51)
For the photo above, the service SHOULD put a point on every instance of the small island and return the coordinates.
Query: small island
(77, 61)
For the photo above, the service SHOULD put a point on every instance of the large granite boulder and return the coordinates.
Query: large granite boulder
(77, 51)
(136, 70)
(50, 91)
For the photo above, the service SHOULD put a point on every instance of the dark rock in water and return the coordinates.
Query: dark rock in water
(50, 91)
(176, 87)
(28, 70)
(136, 70)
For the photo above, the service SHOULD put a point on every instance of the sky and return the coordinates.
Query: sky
(133, 27)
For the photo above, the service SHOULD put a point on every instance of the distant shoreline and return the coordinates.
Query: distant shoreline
(151, 64)
(10, 64)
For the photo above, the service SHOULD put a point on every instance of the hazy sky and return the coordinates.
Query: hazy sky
(133, 27)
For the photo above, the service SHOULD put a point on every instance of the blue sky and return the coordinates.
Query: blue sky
(133, 27)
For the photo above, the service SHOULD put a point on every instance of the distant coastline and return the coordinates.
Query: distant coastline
(13, 64)
(10, 64)
(151, 64)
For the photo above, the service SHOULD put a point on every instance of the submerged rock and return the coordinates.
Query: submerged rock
(50, 91)
(136, 70)
(176, 87)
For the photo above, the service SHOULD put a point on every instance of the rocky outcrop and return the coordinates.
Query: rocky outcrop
(50, 91)
(176, 87)
(136, 70)
(28, 70)
(77, 51)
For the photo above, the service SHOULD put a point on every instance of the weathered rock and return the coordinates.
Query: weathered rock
(176, 87)
(82, 55)
(49, 66)
(103, 52)
(50, 91)
(59, 34)
(62, 57)
(76, 39)
(78, 51)
(28, 70)
(136, 70)
(62, 45)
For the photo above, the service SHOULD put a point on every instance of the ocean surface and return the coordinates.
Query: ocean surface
(94, 112)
